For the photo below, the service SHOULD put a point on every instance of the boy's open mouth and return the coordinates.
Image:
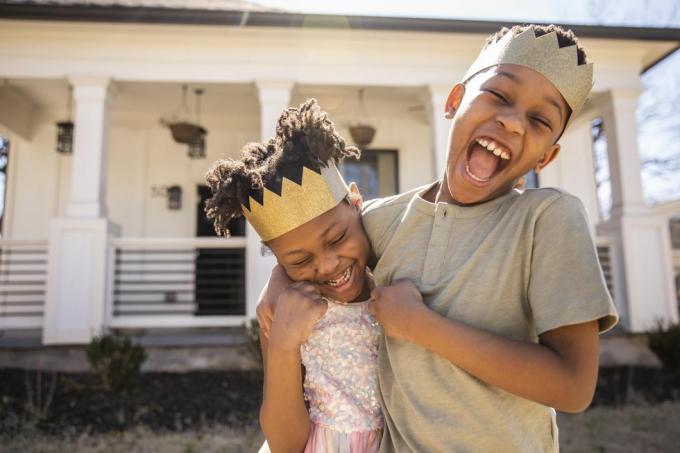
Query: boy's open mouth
(342, 279)
(486, 158)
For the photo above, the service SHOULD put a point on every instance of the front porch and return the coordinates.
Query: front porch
(90, 243)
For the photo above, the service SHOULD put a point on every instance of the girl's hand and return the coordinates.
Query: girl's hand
(298, 308)
(395, 306)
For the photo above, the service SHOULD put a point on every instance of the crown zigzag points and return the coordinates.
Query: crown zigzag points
(297, 204)
(544, 55)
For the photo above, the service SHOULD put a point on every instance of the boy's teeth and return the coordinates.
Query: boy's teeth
(494, 148)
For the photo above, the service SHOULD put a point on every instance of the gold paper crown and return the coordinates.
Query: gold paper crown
(544, 55)
(298, 203)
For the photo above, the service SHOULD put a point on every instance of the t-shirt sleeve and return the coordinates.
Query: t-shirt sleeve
(566, 284)
(379, 220)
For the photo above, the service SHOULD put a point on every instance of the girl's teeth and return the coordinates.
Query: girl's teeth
(342, 280)
(497, 152)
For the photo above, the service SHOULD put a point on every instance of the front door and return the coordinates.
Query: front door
(220, 273)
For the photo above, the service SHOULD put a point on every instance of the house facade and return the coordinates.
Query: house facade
(112, 235)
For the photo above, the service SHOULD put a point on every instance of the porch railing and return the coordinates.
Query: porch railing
(605, 254)
(23, 275)
(177, 282)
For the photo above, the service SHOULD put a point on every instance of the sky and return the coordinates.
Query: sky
(659, 186)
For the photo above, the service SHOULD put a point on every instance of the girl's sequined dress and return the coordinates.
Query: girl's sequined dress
(341, 382)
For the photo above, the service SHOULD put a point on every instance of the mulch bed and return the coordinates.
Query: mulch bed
(193, 400)
(167, 401)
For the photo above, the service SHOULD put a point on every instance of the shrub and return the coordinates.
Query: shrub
(253, 346)
(664, 341)
(116, 360)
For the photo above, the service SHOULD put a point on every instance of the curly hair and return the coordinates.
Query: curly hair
(304, 136)
(565, 37)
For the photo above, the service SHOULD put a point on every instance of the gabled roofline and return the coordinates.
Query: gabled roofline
(146, 15)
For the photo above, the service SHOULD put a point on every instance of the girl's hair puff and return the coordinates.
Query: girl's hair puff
(304, 136)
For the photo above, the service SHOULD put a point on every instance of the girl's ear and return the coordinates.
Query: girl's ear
(355, 196)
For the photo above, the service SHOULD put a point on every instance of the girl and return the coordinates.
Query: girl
(291, 192)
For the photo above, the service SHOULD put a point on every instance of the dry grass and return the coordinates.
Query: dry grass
(635, 428)
(139, 440)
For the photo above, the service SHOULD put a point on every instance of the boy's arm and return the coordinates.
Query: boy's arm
(560, 371)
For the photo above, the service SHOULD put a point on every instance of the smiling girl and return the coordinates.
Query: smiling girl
(291, 192)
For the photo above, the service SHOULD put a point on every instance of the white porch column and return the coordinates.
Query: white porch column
(274, 96)
(75, 305)
(439, 126)
(641, 237)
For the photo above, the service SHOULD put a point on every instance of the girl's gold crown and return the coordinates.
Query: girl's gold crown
(542, 54)
(297, 202)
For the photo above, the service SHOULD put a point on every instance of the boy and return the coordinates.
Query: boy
(495, 298)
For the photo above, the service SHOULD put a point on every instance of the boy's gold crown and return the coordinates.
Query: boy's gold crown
(542, 54)
(298, 202)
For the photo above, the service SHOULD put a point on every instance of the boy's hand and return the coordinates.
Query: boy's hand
(266, 307)
(395, 306)
(298, 308)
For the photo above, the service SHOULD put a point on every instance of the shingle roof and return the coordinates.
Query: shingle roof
(214, 5)
(246, 13)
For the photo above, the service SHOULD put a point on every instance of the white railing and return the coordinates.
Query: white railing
(611, 267)
(23, 275)
(177, 282)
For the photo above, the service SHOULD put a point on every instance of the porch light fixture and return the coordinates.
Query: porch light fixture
(174, 194)
(185, 132)
(65, 129)
(362, 133)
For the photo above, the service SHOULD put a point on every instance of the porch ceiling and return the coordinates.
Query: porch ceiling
(164, 98)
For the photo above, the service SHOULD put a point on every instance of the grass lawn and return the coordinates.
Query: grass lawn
(635, 428)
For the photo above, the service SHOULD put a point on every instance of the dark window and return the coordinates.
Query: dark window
(601, 160)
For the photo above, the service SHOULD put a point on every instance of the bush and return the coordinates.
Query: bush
(664, 341)
(116, 360)
(253, 346)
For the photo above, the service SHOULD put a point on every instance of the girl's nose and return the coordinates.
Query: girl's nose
(328, 264)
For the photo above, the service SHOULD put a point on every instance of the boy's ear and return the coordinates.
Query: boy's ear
(355, 196)
(548, 157)
(454, 99)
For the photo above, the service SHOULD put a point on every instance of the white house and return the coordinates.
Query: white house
(91, 241)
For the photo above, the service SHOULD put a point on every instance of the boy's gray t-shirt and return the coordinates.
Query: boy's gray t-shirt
(516, 266)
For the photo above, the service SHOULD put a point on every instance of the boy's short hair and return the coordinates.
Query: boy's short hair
(565, 37)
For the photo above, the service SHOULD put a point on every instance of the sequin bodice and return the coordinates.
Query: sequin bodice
(340, 358)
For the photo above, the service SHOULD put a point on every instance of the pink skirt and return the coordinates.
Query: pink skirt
(326, 440)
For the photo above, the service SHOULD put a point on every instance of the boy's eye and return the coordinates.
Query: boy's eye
(499, 95)
(540, 120)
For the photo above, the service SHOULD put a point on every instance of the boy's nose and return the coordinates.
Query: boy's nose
(511, 122)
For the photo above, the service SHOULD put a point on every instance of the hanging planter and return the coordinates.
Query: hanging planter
(362, 133)
(185, 132)
(182, 132)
